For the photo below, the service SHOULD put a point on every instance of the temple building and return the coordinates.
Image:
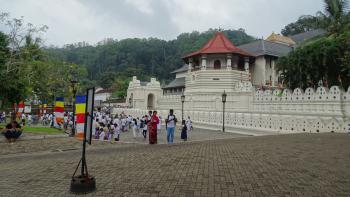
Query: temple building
(217, 67)
(215, 87)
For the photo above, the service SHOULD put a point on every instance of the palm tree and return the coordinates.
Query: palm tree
(335, 16)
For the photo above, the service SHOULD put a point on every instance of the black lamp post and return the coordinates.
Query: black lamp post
(182, 106)
(224, 95)
(73, 82)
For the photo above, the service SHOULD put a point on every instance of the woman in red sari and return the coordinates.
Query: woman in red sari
(153, 130)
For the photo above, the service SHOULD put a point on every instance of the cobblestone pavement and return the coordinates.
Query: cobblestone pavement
(281, 165)
(60, 143)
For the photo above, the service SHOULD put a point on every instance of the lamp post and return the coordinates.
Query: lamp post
(182, 106)
(224, 95)
(73, 82)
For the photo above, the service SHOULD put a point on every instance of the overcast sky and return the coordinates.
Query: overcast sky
(72, 21)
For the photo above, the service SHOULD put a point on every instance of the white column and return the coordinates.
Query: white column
(190, 62)
(273, 72)
(204, 62)
(228, 62)
(246, 64)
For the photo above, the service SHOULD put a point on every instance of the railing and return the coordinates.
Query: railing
(211, 68)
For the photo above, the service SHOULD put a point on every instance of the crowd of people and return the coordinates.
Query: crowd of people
(108, 127)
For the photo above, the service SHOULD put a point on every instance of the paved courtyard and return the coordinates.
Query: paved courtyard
(233, 165)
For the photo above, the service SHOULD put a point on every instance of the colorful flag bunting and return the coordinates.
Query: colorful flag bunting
(59, 109)
(80, 115)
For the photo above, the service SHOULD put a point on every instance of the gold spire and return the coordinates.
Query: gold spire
(280, 39)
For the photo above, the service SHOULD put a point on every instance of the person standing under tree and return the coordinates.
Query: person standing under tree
(170, 126)
(153, 130)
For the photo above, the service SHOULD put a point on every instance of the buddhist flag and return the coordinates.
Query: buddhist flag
(80, 115)
(59, 109)
(20, 107)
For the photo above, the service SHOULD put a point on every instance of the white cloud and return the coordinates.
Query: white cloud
(142, 5)
(92, 20)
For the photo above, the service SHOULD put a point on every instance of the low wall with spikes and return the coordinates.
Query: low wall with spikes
(287, 111)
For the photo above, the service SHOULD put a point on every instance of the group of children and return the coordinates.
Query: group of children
(109, 128)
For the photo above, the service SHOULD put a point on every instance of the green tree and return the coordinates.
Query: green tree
(323, 59)
(336, 15)
(142, 57)
(303, 24)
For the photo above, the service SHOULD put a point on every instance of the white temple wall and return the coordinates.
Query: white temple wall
(318, 110)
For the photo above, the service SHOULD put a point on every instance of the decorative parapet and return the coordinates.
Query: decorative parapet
(257, 123)
(134, 83)
(298, 95)
(153, 83)
(244, 86)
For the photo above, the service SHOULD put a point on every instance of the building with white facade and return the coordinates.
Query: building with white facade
(218, 67)
(102, 95)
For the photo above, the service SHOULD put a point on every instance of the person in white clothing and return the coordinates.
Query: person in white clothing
(29, 118)
(159, 125)
(134, 127)
(102, 135)
(189, 124)
(116, 132)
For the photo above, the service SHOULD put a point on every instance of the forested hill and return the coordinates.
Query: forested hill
(110, 62)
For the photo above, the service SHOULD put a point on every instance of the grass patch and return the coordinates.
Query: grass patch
(45, 130)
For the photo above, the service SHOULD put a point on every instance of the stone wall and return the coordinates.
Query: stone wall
(319, 110)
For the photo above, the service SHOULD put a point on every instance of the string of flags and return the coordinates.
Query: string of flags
(59, 112)
(59, 109)
(80, 115)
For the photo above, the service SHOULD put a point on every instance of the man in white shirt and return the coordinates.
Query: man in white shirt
(170, 126)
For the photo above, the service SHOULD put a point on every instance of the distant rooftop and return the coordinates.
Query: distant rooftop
(298, 38)
(101, 90)
(182, 69)
(264, 47)
(178, 82)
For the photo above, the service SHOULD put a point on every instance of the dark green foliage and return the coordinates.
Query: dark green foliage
(111, 61)
(324, 59)
(303, 24)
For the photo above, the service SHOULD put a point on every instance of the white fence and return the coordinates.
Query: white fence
(320, 110)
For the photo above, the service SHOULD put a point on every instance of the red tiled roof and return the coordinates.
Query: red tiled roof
(218, 44)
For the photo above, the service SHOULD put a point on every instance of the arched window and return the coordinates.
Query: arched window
(217, 64)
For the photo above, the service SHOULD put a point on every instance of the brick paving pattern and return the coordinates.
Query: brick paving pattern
(58, 143)
(281, 165)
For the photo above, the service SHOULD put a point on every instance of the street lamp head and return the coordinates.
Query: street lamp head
(224, 95)
(182, 98)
